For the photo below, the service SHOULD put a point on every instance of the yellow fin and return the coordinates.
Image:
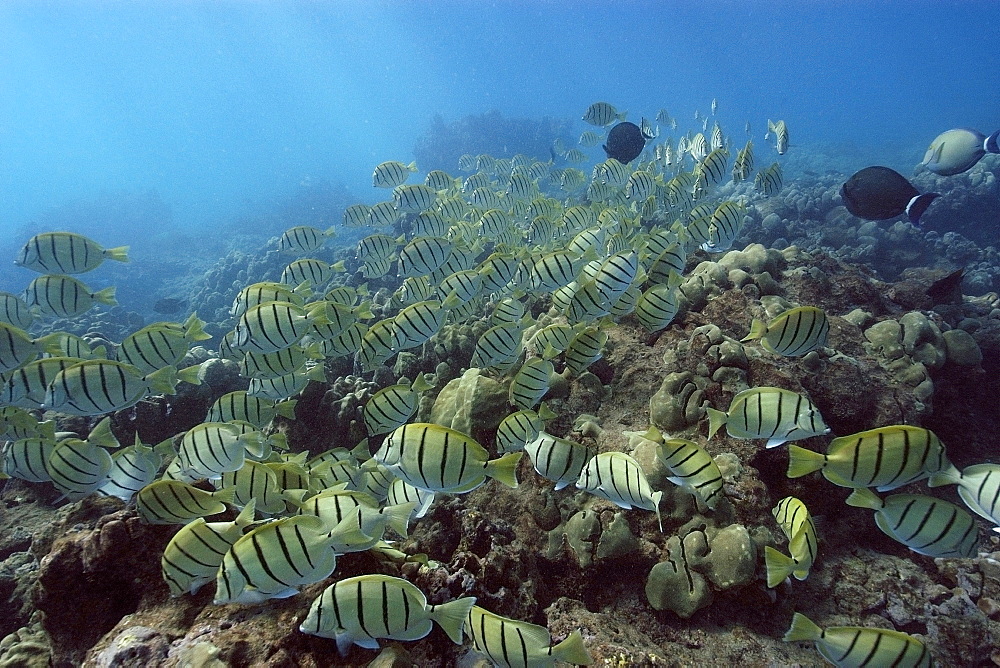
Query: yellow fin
(803, 462)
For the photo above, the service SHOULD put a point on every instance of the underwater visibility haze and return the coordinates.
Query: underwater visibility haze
(510, 333)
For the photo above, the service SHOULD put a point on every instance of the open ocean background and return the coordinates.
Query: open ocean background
(209, 113)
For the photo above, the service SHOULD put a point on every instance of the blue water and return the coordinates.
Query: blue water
(211, 111)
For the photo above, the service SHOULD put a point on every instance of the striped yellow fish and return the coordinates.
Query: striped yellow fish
(377, 247)
(66, 253)
(26, 386)
(16, 423)
(743, 165)
(460, 287)
(95, 387)
(258, 412)
(423, 255)
(860, 647)
(797, 525)
(15, 312)
(132, 468)
(439, 179)
(26, 458)
(194, 554)
(510, 643)
(362, 609)
(259, 293)
(884, 458)
(310, 271)
(392, 173)
(618, 478)
(531, 382)
(769, 180)
(926, 525)
(691, 466)
(793, 333)
(414, 289)
(280, 362)
(558, 459)
(177, 502)
(657, 307)
(287, 385)
(552, 340)
(978, 487)
(210, 449)
(773, 413)
(520, 428)
(602, 113)
(585, 348)
(401, 492)
(418, 322)
(383, 214)
(17, 348)
(78, 468)
(392, 406)
(499, 345)
(336, 505)
(272, 326)
(161, 344)
(253, 481)
(273, 560)
(356, 215)
(64, 296)
(303, 239)
(413, 198)
(440, 459)
(780, 132)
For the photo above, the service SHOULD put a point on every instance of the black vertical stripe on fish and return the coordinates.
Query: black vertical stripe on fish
(850, 646)
(420, 454)
(361, 610)
(264, 564)
(873, 651)
(386, 626)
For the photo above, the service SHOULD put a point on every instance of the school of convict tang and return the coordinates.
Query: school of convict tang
(488, 245)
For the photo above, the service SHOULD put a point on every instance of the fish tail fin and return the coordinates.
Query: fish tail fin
(286, 409)
(950, 476)
(862, 497)
(992, 143)
(504, 469)
(227, 495)
(412, 166)
(106, 296)
(247, 515)
(339, 266)
(120, 253)
(802, 628)
(451, 616)
(715, 421)
(779, 566)
(802, 462)
(190, 375)
(163, 381)
(194, 327)
(918, 205)
(657, 497)
(397, 517)
(757, 330)
(572, 650)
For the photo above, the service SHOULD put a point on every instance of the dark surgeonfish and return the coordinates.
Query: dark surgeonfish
(169, 305)
(880, 193)
(625, 142)
(956, 151)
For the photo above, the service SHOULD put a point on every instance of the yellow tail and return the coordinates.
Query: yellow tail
(120, 253)
(757, 330)
(504, 469)
(779, 566)
(106, 296)
(802, 462)
(802, 628)
(572, 650)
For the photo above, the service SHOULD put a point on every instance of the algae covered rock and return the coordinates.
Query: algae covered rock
(702, 562)
(961, 348)
(471, 404)
(678, 404)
